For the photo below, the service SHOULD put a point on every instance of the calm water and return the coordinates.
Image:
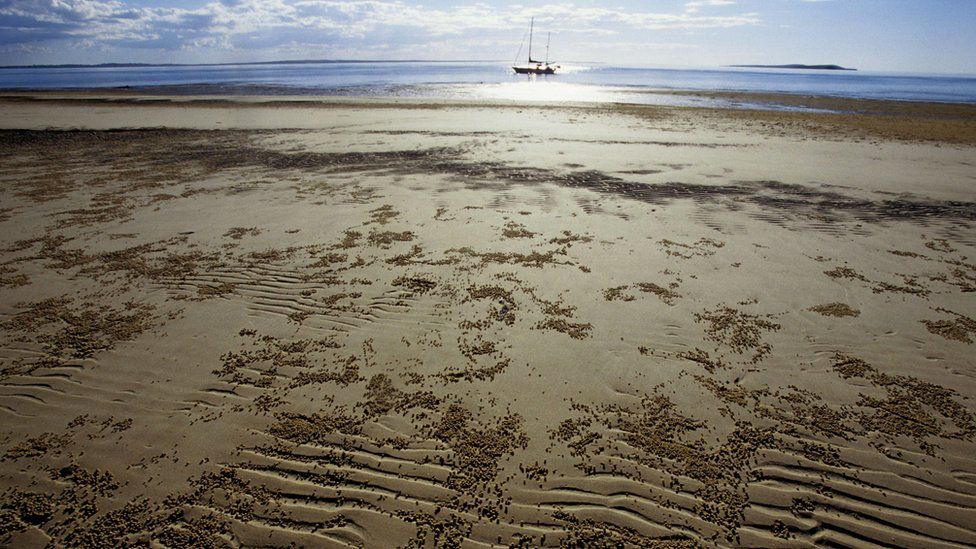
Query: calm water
(492, 81)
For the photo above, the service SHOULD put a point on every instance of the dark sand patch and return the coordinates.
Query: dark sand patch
(835, 309)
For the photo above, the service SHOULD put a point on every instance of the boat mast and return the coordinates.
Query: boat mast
(531, 24)
(548, 36)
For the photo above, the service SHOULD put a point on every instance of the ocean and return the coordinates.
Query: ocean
(491, 80)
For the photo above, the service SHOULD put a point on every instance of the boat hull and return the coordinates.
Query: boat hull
(534, 70)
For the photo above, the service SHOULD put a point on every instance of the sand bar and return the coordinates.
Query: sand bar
(353, 323)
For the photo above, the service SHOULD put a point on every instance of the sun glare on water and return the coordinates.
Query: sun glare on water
(545, 89)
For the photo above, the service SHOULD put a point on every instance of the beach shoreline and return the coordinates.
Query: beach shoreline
(825, 116)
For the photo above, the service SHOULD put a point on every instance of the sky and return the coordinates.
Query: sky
(922, 36)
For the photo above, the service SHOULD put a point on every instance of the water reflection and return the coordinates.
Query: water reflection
(488, 80)
(540, 88)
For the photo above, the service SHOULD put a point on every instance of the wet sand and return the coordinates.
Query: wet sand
(372, 323)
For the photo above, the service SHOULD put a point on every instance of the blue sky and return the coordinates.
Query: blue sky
(889, 35)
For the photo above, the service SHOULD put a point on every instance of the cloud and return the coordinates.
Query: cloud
(696, 5)
(272, 23)
(22, 49)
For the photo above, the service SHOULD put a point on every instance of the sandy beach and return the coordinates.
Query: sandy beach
(272, 322)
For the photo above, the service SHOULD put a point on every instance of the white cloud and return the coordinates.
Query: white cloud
(695, 5)
(327, 24)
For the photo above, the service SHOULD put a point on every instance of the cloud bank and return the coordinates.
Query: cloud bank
(367, 26)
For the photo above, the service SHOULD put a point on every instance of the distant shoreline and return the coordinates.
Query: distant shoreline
(349, 61)
(285, 62)
(796, 66)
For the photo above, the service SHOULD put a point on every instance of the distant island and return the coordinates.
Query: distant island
(809, 67)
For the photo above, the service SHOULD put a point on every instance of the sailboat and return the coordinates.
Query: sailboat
(535, 67)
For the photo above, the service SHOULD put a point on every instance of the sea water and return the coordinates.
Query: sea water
(491, 80)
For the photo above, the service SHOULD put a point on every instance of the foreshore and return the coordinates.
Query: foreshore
(374, 322)
(776, 113)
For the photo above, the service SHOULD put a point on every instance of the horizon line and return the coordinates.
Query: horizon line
(276, 62)
(377, 61)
